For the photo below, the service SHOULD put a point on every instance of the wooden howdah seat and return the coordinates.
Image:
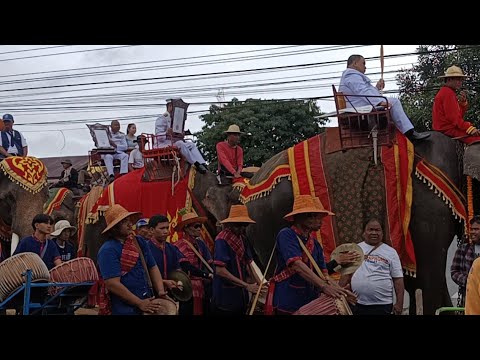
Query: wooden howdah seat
(356, 126)
(165, 163)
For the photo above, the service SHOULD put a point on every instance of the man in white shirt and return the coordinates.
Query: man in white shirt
(135, 160)
(355, 82)
(166, 137)
(12, 142)
(119, 142)
(379, 275)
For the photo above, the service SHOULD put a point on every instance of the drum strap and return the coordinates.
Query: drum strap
(44, 250)
(142, 258)
(312, 261)
(200, 256)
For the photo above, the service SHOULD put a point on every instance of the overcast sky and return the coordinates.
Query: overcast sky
(53, 95)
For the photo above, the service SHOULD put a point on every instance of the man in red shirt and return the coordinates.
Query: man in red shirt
(448, 111)
(230, 154)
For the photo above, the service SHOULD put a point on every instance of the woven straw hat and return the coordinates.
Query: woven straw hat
(306, 204)
(62, 225)
(453, 71)
(238, 214)
(189, 218)
(233, 129)
(344, 248)
(115, 214)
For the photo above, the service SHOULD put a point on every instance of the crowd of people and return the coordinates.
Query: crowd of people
(136, 267)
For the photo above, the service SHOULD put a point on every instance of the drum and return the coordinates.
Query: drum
(168, 307)
(325, 305)
(12, 268)
(77, 270)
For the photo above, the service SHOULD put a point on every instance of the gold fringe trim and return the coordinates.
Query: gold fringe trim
(440, 194)
(34, 189)
(410, 270)
(244, 200)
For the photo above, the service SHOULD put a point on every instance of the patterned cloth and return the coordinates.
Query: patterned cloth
(197, 283)
(235, 242)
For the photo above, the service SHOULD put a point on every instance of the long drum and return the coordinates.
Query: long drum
(77, 270)
(11, 271)
(325, 305)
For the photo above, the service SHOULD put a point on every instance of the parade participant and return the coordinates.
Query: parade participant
(197, 263)
(448, 111)
(166, 137)
(61, 237)
(69, 176)
(295, 282)
(130, 137)
(233, 263)
(165, 254)
(472, 303)
(142, 228)
(39, 243)
(372, 281)
(136, 160)
(124, 260)
(464, 257)
(355, 82)
(119, 142)
(12, 142)
(230, 153)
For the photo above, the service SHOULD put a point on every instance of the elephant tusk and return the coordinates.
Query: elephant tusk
(15, 241)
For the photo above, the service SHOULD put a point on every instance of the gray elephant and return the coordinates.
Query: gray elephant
(23, 192)
(432, 225)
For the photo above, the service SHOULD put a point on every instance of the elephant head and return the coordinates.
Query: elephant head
(20, 202)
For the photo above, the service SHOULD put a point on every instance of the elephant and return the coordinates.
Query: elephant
(203, 183)
(432, 226)
(18, 206)
(66, 210)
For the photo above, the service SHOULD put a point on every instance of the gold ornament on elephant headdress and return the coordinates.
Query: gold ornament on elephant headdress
(26, 171)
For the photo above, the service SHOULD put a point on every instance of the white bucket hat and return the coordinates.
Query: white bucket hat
(62, 225)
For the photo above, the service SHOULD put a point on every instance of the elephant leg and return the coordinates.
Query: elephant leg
(410, 287)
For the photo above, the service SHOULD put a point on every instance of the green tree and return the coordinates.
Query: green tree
(270, 126)
(419, 85)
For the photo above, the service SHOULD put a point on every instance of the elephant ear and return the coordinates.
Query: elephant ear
(471, 161)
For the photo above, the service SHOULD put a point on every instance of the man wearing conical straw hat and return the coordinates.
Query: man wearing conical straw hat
(233, 263)
(448, 111)
(296, 282)
(122, 267)
(197, 262)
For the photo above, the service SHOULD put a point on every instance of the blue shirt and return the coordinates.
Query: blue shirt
(135, 280)
(225, 295)
(353, 82)
(172, 256)
(294, 292)
(67, 252)
(32, 244)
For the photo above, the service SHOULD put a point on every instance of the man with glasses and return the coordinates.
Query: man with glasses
(448, 111)
(295, 282)
(38, 242)
(464, 257)
(197, 263)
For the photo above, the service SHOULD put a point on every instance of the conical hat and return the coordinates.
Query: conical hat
(344, 248)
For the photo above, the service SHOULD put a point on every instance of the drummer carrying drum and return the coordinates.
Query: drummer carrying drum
(128, 267)
(295, 282)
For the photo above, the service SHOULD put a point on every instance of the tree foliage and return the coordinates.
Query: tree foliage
(419, 85)
(270, 126)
